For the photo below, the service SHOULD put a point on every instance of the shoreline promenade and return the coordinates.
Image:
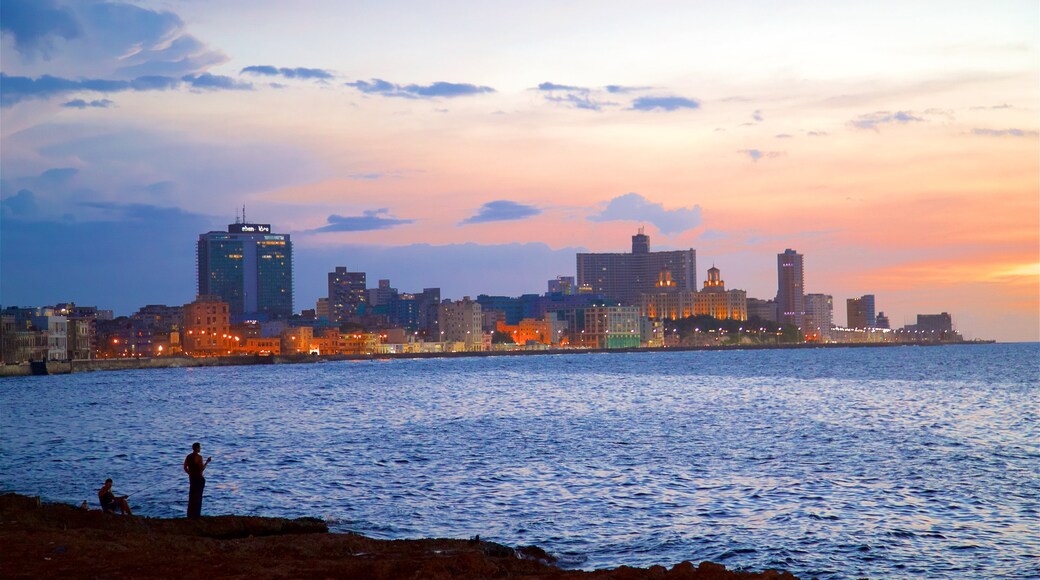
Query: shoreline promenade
(114, 364)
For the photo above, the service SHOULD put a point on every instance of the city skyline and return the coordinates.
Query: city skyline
(478, 149)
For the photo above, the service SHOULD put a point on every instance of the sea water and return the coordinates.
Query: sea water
(915, 462)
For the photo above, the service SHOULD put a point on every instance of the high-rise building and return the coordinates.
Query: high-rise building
(860, 312)
(624, 277)
(250, 268)
(348, 294)
(819, 317)
(790, 290)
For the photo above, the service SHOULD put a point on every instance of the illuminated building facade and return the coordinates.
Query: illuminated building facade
(348, 294)
(624, 277)
(610, 327)
(250, 268)
(714, 300)
(790, 289)
(207, 327)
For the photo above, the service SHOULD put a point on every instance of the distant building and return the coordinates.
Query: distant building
(382, 294)
(624, 277)
(321, 308)
(933, 327)
(819, 317)
(250, 268)
(762, 309)
(882, 321)
(860, 312)
(790, 292)
(207, 327)
(348, 294)
(604, 326)
(714, 300)
(562, 285)
(82, 328)
(461, 322)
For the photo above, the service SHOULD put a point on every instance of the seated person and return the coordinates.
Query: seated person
(111, 502)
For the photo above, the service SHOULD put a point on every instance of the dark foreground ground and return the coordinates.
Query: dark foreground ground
(61, 541)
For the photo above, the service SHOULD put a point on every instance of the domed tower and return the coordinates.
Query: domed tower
(714, 282)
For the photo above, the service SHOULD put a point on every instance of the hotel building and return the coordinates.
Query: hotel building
(713, 300)
(250, 268)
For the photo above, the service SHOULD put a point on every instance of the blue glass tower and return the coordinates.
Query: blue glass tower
(250, 268)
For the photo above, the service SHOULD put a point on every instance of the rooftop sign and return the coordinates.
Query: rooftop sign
(249, 228)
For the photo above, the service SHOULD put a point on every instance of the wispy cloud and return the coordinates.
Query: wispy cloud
(1005, 132)
(501, 210)
(558, 87)
(377, 219)
(413, 91)
(574, 96)
(621, 89)
(784, 136)
(756, 154)
(664, 104)
(16, 89)
(873, 120)
(289, 73)
(82, 104)
(216, 82)
(634, 207)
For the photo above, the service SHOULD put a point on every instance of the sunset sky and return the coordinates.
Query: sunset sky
(477, 146)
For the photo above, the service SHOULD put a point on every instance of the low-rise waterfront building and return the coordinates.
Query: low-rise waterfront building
(207, 327)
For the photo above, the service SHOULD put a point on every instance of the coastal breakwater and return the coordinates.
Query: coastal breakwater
(117, 364)
(45, 540)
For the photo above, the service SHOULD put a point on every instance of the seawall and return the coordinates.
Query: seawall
(92, 365)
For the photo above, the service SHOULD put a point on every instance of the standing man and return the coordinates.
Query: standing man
(194, 466)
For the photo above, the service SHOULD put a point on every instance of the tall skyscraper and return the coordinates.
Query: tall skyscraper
(624, 277)
(860, 312)
(790, 290)
(250, 268)
(348, 294)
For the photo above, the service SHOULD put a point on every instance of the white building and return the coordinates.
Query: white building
(819, 317)
(461, 322)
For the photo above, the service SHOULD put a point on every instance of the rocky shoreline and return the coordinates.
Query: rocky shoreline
(42, 540)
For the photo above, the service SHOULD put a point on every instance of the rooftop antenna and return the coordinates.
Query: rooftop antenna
(243, 213)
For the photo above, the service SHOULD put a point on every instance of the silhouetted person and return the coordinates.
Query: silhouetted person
(194, 466)
(111, 502)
